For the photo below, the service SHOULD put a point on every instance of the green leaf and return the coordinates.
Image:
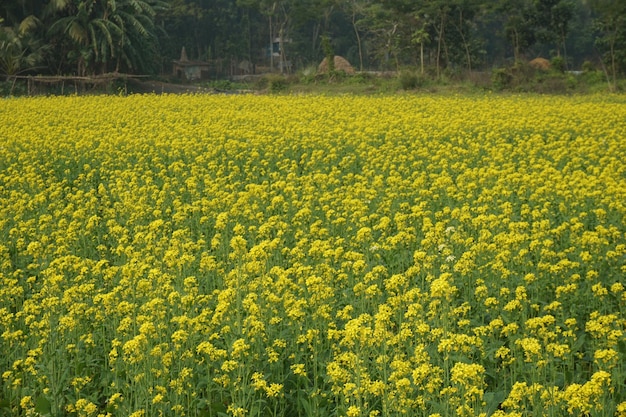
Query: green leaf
(493, 400)
(218, 407)
(42, 405)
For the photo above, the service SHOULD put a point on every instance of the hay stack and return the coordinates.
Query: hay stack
(540, 64)
(341, 64)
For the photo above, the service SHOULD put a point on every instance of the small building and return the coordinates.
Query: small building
(277, 55)
(190, 70)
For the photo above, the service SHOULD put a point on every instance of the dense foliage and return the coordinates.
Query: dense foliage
(313, 256)
(144, 36)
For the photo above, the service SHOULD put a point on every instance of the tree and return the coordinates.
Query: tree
(95, 36)
(311, 21)
(356, 9)
(465, 12)
(552, 18)
(100, 33)
(440, 12)
(611, 24)
(390, 25)
(562, 15)
(19, 50)
(91, 35)
(277, 17)
(421, 37)
(383, 25)
(519, 28)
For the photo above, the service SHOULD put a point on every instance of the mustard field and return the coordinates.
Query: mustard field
(313, 256)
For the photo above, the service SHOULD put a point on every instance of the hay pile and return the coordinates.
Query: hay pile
(540, 64)
(341, 64)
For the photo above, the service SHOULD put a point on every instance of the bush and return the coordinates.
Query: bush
(276, 83)
(480, 79)
(588, 66)
(553, 84)
(5, 88)
(522, 72)
(308, 75)
(261, 83)
(224, 85)
(572, 82)
(10, 88)
(501, 79)
(409, 80)
(361, 78)
(558, 64)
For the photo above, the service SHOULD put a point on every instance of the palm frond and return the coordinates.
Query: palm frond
(77, 32)
(29, 23)
(135, 23)
(105, 30)
(94, 41)
(57, 5)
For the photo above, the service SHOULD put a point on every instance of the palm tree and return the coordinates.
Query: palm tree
(91, 35)
(19, 50)
(138, 44)
(106, 32)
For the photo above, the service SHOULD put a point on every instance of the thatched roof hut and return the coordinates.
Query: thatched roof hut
(341, 64)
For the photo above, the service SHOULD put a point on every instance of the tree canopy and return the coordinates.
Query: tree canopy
(88, 37)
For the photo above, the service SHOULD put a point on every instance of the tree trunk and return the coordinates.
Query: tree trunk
(422, 57)
(515, 45)
(249, 37)
(613, 66)
(358, 40)
(445, 50)
(563, 37)
(281, 50)
(316, 34)
(271, 45)
(439, 39)
(465, 44)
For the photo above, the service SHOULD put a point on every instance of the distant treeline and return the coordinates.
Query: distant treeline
(86, 37)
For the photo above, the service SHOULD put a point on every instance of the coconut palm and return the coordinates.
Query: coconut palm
(138, 43)
(19, 50)
(107, 33)
(91, 35)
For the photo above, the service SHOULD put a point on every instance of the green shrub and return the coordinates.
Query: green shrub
(261, 83)
(501, 79)
(361, 78)
(588, 66)
(553, 84)
(276, 83)
(593, 77)
(409, 80)
(221, 85)
(273, 83)
(558, 64)
(11, 88)
(308, 75)
(572, 81)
